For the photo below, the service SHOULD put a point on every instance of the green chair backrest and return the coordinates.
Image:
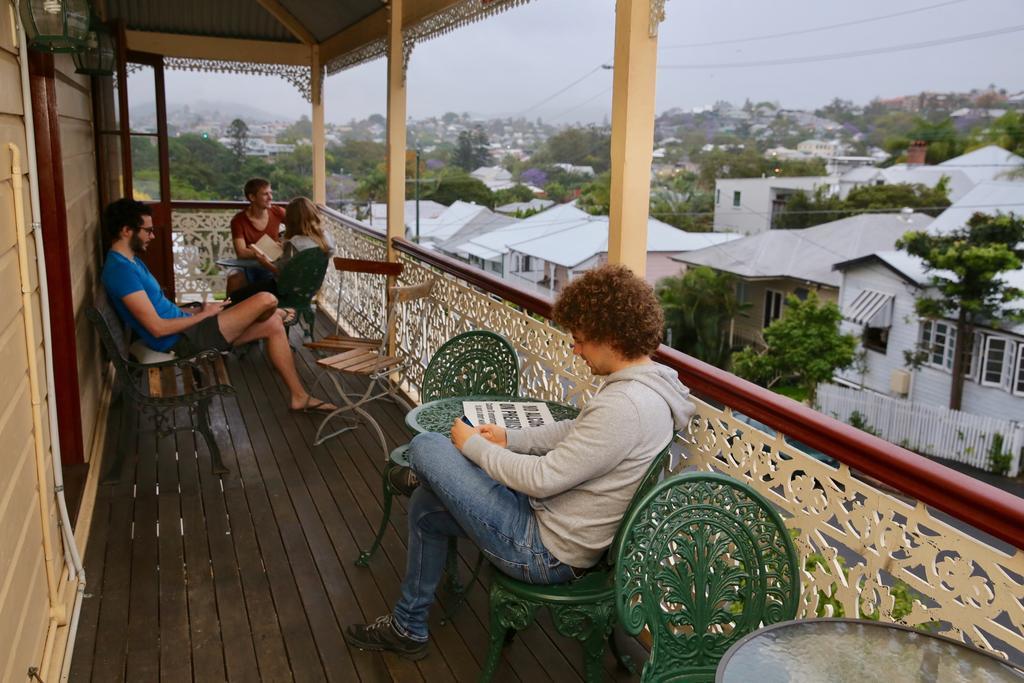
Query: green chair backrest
(651, 477)
(301, 278)
(703, 561)
(472, 364)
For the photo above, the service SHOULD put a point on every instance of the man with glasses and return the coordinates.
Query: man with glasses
(542, 503)
(166, 327)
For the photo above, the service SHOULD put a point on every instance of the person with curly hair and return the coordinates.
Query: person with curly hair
(542, 503)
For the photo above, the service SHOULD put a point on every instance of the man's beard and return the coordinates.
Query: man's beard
(137, 245)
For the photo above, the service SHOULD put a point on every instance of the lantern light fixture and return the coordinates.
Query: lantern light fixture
(55, 25)
(98, 57)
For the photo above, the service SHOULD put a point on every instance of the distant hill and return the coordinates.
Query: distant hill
(186, 115)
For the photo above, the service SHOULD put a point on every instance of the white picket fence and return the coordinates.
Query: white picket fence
(938, 432)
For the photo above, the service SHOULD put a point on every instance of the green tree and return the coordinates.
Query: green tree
(516, 193)
(481, 148)
(238, 131)
(556, 192)
(300, 130)
(944, 142)
(595, 196)
(804, 210)
(357, 157)
(456, 185)
(471, 150)
(463, 155)
(698, 307)
(578, 146)
(1007, 131)
(804, 348)
(976, 255)
(373, 187)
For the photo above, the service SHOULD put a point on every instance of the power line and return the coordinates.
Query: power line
(849, 55)
(581, 104)
(815, 29)
(561, 90)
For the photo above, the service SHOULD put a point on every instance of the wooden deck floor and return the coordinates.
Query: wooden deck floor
(251, 576)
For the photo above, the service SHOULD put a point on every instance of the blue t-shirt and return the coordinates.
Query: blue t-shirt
(121, 277)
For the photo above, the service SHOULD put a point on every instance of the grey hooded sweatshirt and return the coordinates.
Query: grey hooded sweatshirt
(590, 467)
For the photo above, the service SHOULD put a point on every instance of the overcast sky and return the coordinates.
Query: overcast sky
(510, 63)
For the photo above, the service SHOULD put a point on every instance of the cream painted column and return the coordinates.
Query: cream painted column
(319, 153)
(396, 126)
(636, 57)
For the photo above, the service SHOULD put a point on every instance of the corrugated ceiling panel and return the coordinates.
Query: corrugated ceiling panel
(324, 18)
(223, 18)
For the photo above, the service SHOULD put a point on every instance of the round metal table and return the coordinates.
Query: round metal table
(239, 263)
(840, 650)
(437, 416)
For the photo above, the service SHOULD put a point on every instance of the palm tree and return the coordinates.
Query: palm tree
(699, 306)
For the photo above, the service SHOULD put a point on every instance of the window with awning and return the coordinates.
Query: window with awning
(871, 308)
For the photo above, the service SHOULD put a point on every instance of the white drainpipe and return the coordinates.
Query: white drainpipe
(72, 556)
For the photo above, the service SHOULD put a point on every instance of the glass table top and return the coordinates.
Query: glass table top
(838, 650)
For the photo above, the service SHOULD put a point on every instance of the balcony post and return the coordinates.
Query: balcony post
(396, 127)
(636, 46)
(316, 87)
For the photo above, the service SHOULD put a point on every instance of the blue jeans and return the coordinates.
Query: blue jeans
(457, 498)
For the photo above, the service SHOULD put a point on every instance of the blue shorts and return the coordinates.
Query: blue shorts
(257, 274)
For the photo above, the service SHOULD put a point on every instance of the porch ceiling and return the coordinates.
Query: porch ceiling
(347, 32)
(244, 19)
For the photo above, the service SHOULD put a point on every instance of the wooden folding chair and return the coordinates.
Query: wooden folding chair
(339, 341)
(363, 357)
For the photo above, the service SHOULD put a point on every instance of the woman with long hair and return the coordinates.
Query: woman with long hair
(302, 231)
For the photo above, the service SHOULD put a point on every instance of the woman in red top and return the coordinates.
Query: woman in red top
(260, 218)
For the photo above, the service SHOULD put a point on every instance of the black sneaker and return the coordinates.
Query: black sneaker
(403, 480)
(382, 635)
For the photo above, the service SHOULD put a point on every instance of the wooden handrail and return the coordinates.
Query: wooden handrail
(208, 205)
(979, 504)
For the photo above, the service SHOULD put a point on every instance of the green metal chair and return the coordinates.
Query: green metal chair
(475, 363)
(583, 609)
(299, 281)
(703, 560)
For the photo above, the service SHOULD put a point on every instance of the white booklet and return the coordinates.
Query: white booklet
(268, 246)
(508, 414)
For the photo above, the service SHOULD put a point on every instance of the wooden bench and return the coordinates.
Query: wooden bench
(158, 389)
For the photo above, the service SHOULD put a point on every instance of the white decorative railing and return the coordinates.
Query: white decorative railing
(199, 237)
(867, 553)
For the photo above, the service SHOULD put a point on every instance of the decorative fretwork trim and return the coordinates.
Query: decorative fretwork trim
(298, 75)
(455, 16)
(657, 16)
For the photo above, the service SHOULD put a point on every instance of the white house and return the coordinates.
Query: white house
(877, 300)
(549, 249)
(749, 205)
(774, 264)
(587, 171)
(534, 205)
(986, 163)
(459, 219)
(494, 177)
(959, 183)
(428, 210)
(580, 243)
(820, 148)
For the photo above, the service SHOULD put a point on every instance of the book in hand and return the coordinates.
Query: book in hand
(271, 249)
(508, 414)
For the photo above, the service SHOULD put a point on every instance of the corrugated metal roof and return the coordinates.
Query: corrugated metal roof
(808, 254)
(324, 18)
(239, 18)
